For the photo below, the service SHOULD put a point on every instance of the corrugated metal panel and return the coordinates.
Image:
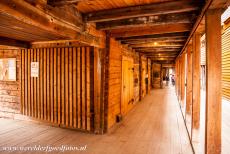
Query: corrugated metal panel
(226, 63)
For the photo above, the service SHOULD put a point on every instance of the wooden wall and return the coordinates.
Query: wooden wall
(156, 75)
(149, 76)
(115, 78)
(63, 93)
(226, 64)
(10, 90)
(144, 73)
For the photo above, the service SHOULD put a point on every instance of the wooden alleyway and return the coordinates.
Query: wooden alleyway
(154, 126)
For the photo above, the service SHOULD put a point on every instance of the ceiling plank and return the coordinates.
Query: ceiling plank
(143, 10)
(151, 30)
(147, 21)
(12, 42)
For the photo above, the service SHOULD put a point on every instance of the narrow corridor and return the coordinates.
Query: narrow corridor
(153, 126)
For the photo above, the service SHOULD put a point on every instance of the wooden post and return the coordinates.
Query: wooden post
(213, 84)
(196, 81)
(189, 81)
(140, 76)
(182, 79)
(161, 77)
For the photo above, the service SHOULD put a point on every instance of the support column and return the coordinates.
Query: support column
(189, 80)
(213, 84)
(182, 79)
(196, 81)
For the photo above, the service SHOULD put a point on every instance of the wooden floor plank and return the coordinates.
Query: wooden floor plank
(153, 126)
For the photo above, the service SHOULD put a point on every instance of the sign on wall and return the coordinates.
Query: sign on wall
(7, 69)
(34, 69)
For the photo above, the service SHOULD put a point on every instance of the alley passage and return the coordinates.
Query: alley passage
(154, 126)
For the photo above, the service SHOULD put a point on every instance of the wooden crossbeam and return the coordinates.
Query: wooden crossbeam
(151, 30)
(156, 44)
(12, 42)
(62, 2)
(162, 19)
(163, 61)
(155, 36)
(164, 40)
(144, 10)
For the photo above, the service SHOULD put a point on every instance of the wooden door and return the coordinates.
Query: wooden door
(127, 85)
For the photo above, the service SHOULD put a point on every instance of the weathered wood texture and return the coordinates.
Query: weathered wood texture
(144, 72)
(189, 81)
(183, 80)
(149, 76)
(225, 63)
(213, 87)
(10, 90)
(115, 77)
(156, 70)
(196, 81)
(62, 94)
(142, 10)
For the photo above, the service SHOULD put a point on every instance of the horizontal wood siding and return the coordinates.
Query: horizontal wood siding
(10, 90)
(61, 94)
(226, 64)
(115, 78)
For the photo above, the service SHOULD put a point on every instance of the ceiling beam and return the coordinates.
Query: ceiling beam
(150, 30)
(143, 10)
(165, 40)
(162, 59)
(209, 4)
(156, 48)
(46, 20)
(62, 2)
(156, 36)
(156, 44)
(12, 42)
(147, 21)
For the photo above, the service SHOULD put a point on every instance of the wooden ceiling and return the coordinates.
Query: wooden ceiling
(155, 28)
(86, 6)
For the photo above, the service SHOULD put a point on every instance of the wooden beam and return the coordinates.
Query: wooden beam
(155, 36)
(162, 19)
(162, 52)
(12, 42)
(213, 82)
(166, 40)
(163, 61)
(144, 10)
(44, 19)
(156, 48)
(62, 2)
(157, 44)
(196, 81)
(151, 30)
(220, 4)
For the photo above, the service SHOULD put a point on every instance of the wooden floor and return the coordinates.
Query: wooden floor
(154, 126)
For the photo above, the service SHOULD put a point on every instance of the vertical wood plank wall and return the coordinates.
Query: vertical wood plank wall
(62, 92)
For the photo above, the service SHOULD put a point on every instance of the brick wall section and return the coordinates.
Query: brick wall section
(10, 90)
